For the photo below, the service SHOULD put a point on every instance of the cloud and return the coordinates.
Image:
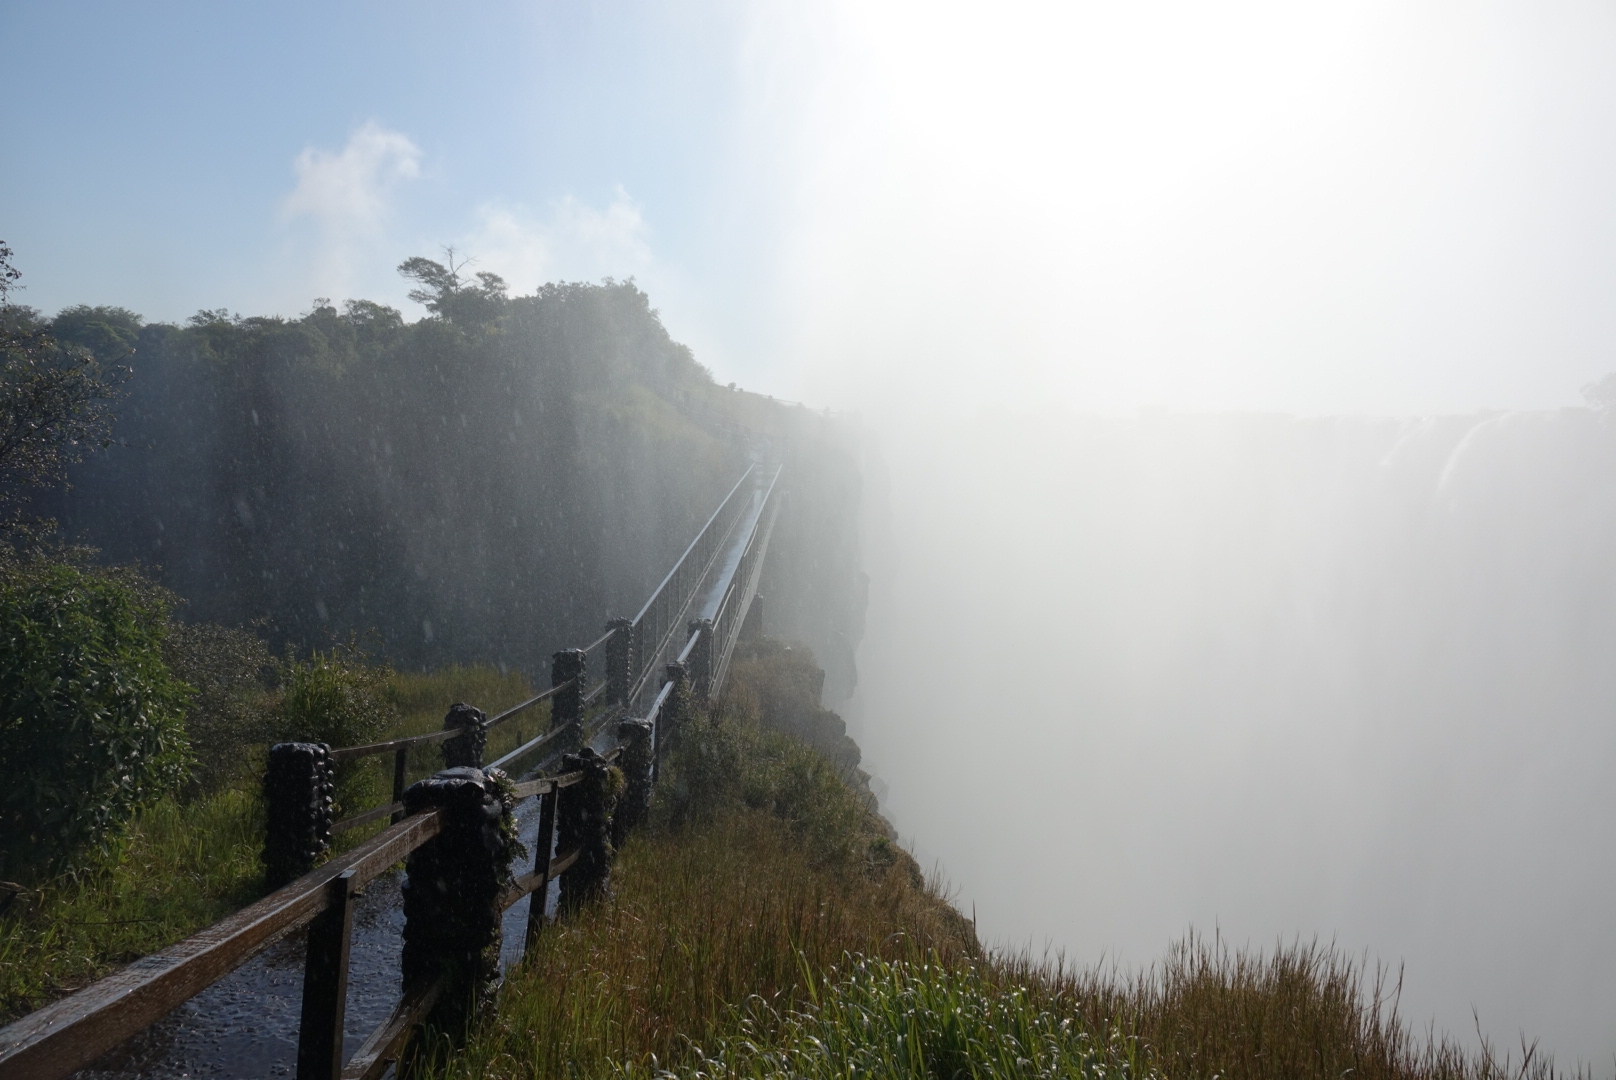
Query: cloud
(348, 196)
(575, 241)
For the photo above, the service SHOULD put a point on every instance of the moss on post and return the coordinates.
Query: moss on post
(636, 765)
(584, 825)
(451, 898)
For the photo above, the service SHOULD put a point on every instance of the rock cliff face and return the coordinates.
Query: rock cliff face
(788, 684)
(488, 487)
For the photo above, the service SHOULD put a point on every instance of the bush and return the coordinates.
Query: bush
(229, 717)
(724, 761)
(91, 719)
(338, 698)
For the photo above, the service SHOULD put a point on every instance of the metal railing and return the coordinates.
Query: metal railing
(742, 589)
(663, 615)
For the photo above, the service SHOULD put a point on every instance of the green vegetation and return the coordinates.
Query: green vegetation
(920, 1019)
(55, 395)
(339, 699)
(177, 867)
(231, 714)
(191, 857)
(90, 717)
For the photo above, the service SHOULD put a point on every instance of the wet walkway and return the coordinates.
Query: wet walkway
(245, 1025)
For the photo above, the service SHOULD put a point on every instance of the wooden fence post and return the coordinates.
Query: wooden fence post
(567, 707)
(752, 625)
(619, 661)
(584, 824)
(675, 711)
(544, 848)
(401, 761)
(466, 749)
(325, 984)
(451, 897)
(298, 793)
(635, 763)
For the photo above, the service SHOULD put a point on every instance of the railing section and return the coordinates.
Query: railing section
(663, 615)
(69, 1034)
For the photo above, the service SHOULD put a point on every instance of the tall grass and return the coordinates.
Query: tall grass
(919, 1019)
(1302, 1010)
(762, 869)
(177, 867)
(703, 918)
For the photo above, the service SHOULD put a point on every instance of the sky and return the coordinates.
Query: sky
(1337, 675)
(1383, 207)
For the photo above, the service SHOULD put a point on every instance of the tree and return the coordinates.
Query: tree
(445, 292)
(55, 399)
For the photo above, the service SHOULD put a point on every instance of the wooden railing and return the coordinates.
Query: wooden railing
(73, 1032)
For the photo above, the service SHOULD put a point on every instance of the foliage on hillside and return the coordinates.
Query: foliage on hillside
(488, 483)
(781, 685)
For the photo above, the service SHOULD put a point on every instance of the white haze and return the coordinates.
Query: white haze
(1348, 672)
(1385, 206)
(1276, 677)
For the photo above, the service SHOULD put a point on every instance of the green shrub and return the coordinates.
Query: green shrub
(725, 761)
(341, 699)
(91, 719)
(230, 717)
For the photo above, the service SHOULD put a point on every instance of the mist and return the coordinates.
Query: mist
(1264, 677)
(1238, 543)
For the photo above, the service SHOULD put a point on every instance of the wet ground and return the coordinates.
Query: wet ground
(245, 1025)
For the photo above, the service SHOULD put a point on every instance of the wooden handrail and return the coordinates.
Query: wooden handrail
(528, 747)
(368, 816)
(349, 753)
(533, 879)
(529, 703)
(69, 1034)
(386, 1042)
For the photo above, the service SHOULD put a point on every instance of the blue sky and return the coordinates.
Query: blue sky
(155, 147)
(1370, 207)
